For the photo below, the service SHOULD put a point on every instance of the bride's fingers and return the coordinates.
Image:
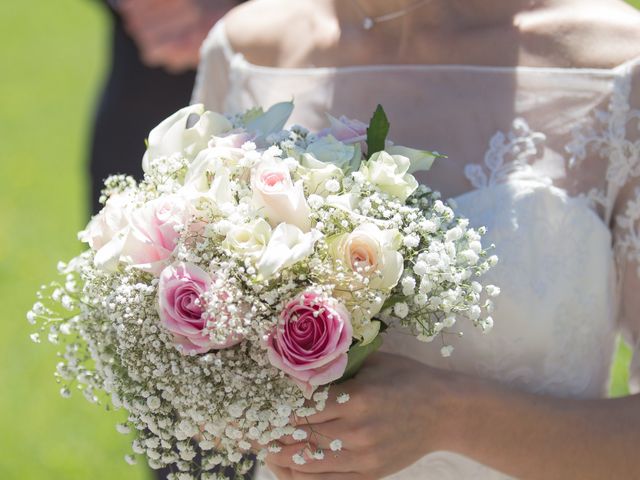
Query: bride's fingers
(296, 475)
(322, 434)
(280, 473)
(329, 476)
(342, 461)
(333, 410)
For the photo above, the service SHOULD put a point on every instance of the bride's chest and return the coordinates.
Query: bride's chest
(555, 317)
(539, 169)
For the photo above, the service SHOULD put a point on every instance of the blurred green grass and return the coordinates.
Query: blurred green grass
(53, 54)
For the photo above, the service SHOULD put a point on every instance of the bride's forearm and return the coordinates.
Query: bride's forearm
(534, 436)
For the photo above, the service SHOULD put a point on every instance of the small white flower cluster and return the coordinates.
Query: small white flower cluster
(242, 238)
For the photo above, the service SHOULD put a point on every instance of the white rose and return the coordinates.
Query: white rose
(287, 246)
(176, 134)
(107, 232)
(208, 162)
(249, 239)
(329, 150)
(420, 160)
(105, 225)
(347, 202)
(277, 197)
(372, 253)
(389, 174)
(209, 178)
(316, 174)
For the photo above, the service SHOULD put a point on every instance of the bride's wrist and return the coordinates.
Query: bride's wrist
(453, 401)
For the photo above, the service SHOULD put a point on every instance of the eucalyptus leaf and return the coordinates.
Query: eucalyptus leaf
(271, 121)
(377, 131)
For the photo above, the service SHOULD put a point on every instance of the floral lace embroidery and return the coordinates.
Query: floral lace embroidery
(606, 135)
(628, 244)
(507, 154)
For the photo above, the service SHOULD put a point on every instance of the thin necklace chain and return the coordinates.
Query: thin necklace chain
(369, 22)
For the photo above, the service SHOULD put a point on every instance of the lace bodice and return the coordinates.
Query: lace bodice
(547, 158)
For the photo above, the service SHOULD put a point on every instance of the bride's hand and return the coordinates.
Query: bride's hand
(169, 33)
(394, 417)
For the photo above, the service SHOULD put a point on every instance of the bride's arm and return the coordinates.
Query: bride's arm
(534, 436)
(400, 410)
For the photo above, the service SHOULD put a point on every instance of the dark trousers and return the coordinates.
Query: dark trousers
(135, 98)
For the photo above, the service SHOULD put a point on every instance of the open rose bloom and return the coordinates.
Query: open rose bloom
(312, 341)
(242, 278)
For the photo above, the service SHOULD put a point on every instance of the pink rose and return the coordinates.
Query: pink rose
(154, 232)
(106, 224)
(311, 341)
(182, 305)
(277, 197)
(346, 130)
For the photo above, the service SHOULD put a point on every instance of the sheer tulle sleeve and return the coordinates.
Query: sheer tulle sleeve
(624, 173)
(212, 81)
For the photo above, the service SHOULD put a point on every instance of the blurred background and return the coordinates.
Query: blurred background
(53, 57)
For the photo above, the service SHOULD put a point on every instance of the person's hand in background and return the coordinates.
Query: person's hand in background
(169, 32)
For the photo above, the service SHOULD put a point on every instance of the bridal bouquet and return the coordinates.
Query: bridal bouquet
(251, 269)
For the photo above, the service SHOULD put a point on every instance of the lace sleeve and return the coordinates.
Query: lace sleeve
(624, 170)
(212, 80)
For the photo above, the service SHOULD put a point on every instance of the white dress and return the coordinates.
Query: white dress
(547, 158)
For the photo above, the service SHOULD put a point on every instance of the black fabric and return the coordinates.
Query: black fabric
(229, 473)
(135, 99)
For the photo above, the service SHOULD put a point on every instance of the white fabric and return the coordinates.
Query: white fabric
(547, 158)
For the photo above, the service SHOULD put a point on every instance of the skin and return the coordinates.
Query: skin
(555, 33)
(169, 32)
(520, 434)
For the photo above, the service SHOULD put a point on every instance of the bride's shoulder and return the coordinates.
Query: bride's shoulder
(261, 30)
(591, 34)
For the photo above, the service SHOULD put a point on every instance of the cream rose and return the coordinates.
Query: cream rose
(389, 174)
(249, 239)
(277, 197)
(372, 253)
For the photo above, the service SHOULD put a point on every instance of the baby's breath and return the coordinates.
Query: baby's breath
(218, 404)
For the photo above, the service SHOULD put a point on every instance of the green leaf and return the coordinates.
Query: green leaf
(358, 353)
(377, 131)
